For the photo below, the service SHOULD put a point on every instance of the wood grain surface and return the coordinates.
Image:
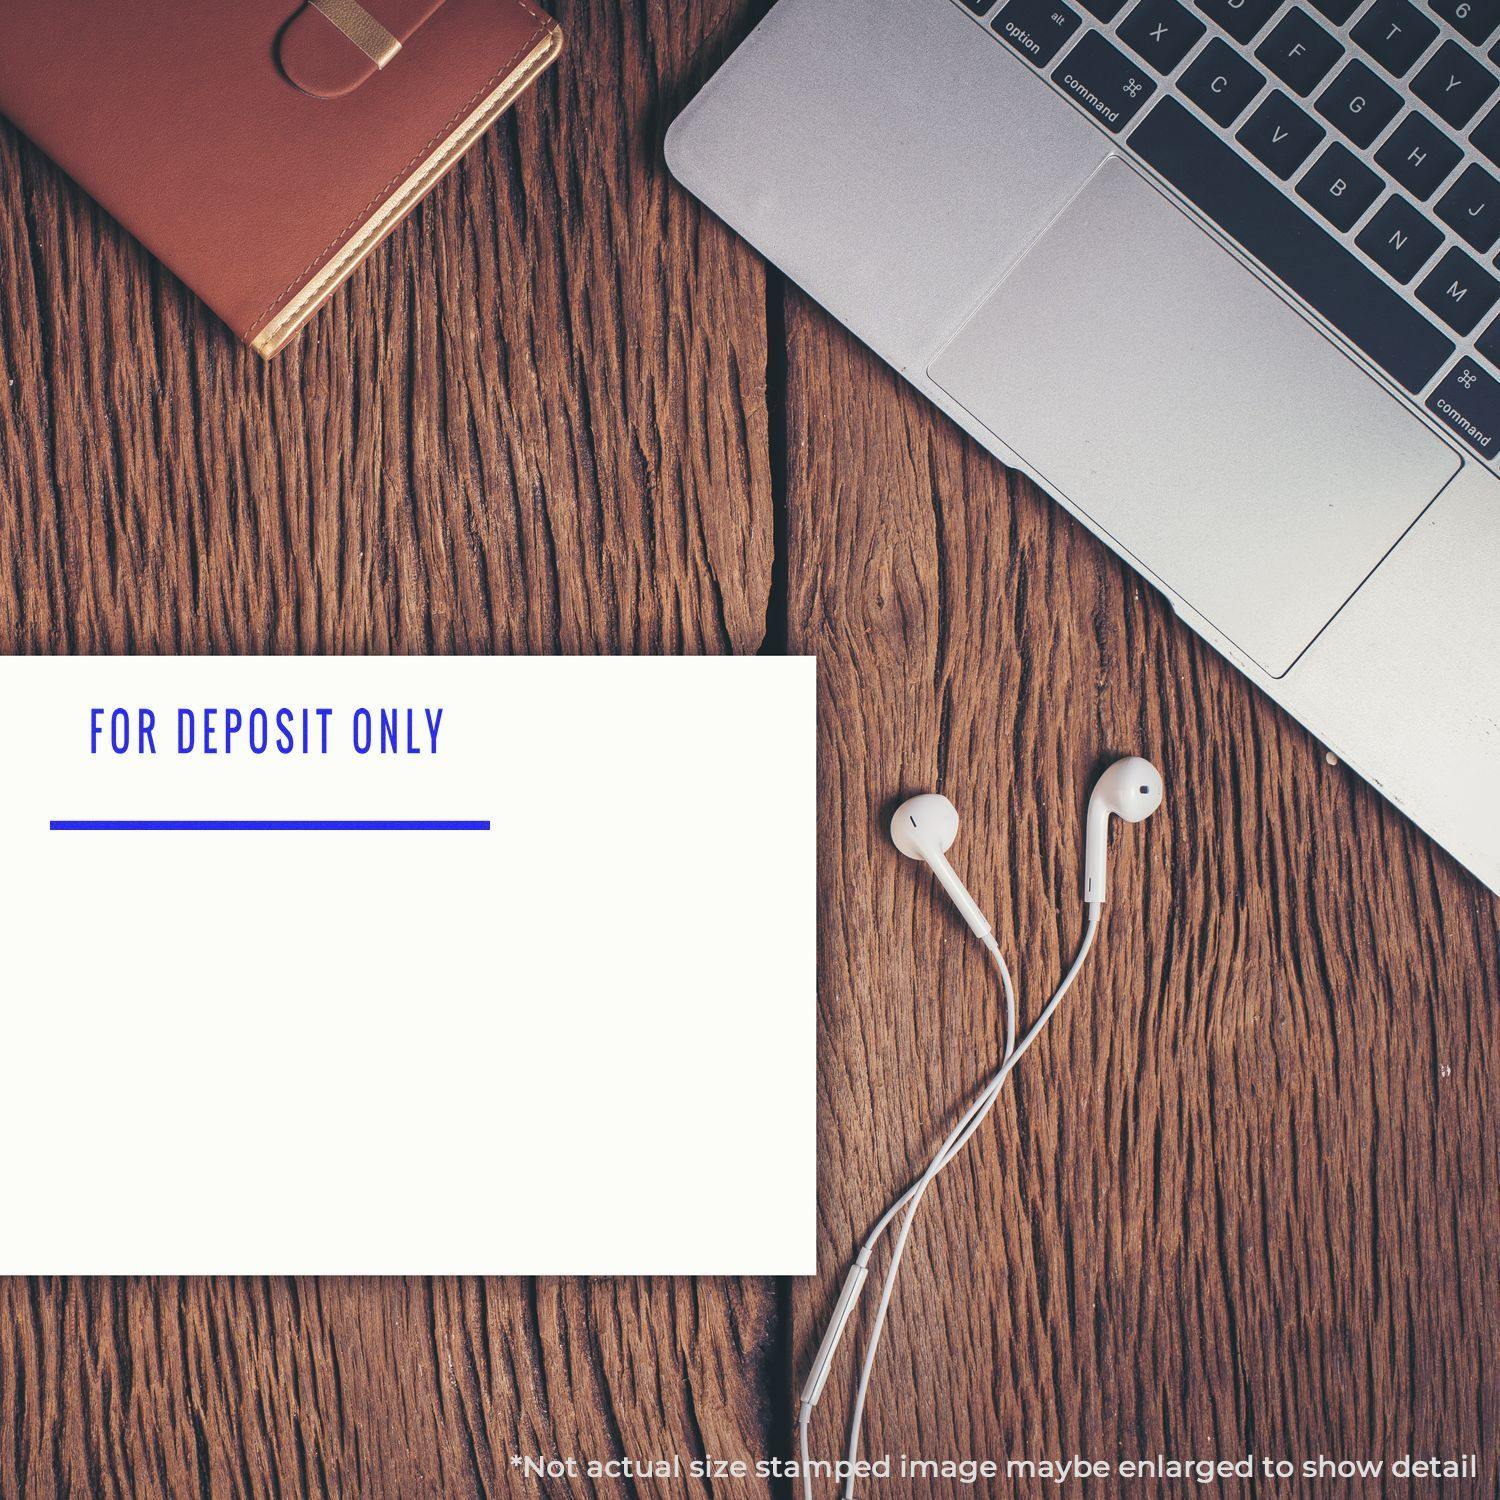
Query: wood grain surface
(1242, 1198)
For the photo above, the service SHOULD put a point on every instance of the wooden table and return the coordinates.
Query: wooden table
(1243, 1196)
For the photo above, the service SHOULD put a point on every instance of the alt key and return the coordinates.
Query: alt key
(1036, 28)
(1468, 400)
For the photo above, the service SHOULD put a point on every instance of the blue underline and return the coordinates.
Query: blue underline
(270, 825)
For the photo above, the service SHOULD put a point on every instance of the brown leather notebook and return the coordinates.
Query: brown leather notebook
(262, 148)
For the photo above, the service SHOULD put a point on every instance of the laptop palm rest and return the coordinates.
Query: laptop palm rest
(1174, 399)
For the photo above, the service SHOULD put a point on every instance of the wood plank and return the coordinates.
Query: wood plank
(536, 421)
(1237, 1199)
(379, 1386)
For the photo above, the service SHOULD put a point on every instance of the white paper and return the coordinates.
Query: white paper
(580, 1042)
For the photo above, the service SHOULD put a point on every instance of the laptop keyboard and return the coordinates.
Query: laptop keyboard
(1352, 147)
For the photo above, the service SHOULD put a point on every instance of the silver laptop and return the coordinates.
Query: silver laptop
(1219, 275)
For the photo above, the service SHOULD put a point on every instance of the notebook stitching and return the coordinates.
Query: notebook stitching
(542, 23)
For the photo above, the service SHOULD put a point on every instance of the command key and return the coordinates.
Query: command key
(1468, 400)
(1104, 81)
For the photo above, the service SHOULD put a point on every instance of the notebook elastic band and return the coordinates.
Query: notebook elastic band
(361, 28)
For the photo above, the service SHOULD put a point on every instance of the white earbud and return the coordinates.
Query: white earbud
(1129, 789)
(924, 828)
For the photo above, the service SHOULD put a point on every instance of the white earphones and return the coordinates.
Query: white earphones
(924, 828)
(1130, 790)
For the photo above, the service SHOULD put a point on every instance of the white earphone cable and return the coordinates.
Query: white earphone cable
(832, 1338)
(957, 1138)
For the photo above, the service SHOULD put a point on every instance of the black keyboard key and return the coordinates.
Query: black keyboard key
(1104, 81)
(1468, 400)
(979, 6)
(1290, 244)
(1394, 33)
(1279, 134)
(1037, 29)
(1453, 84)
(1488, 343)
(1162, 32)
(1220, 82)
(1471, 208)
(1459, 291)
(1418, 155)
(1104, 10)
(1299, 52)
(1240, 18)
(1359, 103)
(1337, 11)
(1473, 20)
(1340, 186)
(1398, 239)
(1486, 135)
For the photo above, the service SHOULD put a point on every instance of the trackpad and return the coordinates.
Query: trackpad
(1162, 390)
